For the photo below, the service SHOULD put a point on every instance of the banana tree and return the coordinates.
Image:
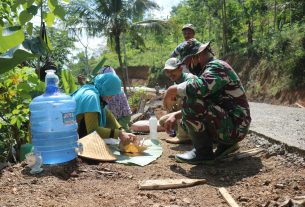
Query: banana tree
(111, 18)
(16, 25)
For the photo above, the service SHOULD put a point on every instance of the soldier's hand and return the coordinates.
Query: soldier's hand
(169, 123)
(170, 97)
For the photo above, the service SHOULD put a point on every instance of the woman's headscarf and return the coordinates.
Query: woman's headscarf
(88, 96)
(108, 84)
(118, 105)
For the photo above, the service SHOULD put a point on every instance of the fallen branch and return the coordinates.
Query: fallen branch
(169, 184)
(299, 105)
(243, 154)
(107, 173)
(225, 194)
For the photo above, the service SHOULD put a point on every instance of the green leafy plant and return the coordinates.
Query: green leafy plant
(135, 98)
(17, 88)
(68, 81)
(15, 46)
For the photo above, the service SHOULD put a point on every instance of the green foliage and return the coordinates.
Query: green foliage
(287, 50)
(14, 24)
(271, 30)
(95, 63)
(153, 54)
(135, 98)
(17, 87)
(62, 45)
(68, 81)
(14, 57)
(156, 75)
(8, 12)
(10, 37)
(112, 17)
(95, 70)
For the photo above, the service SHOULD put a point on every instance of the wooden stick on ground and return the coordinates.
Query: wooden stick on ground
(299, 105)
(243, 154)
(169, 184)
(225, 194)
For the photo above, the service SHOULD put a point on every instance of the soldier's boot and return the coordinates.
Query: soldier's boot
(202, 153)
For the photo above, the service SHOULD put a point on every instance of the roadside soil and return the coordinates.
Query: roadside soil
(266, 179)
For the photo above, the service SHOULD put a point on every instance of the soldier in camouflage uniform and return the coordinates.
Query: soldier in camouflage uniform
(174, 70)
(215, 108)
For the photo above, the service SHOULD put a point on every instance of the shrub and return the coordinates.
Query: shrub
(17, 88)
(135, 98)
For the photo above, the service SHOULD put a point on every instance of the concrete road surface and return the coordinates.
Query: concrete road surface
(280, 123)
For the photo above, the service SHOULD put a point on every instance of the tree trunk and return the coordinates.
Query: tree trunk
(275, 16)
(125, 62)
(87, 61)
(118, 51)
(290, 14)
(250, 31)
(16, 136)
(224, 27)
(210, 19)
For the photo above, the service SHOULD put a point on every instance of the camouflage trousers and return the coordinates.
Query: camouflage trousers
(222, 126)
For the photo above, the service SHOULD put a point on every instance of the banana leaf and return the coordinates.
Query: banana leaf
(68, 81)
(13, 57)
(29, 49)
(98, 67)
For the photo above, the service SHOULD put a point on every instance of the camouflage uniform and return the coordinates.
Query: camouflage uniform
(181, 134)
(184, 77)
(215, 103)
(185, 48)
(189, 48)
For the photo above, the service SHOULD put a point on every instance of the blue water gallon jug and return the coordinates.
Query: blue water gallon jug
(53, 123)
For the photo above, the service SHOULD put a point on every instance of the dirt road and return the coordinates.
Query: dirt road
(256, 181)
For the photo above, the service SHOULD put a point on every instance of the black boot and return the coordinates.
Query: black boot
(202, 152)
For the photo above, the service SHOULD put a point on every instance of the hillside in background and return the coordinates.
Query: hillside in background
(264, 83)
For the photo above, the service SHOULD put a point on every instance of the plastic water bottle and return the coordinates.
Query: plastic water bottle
(153, 124)
(53, 123)
(34, 161)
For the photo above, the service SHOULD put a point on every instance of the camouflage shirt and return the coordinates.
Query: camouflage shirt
(184, 77)
(217, 92)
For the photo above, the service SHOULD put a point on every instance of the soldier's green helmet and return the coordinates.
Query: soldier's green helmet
(188, 26)
(192, 47)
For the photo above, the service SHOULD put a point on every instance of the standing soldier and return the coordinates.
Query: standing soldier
(188, 32)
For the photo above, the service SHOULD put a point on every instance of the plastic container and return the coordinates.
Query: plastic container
(153, 125)
(25, 149)
(53, 123)
(34, 161)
